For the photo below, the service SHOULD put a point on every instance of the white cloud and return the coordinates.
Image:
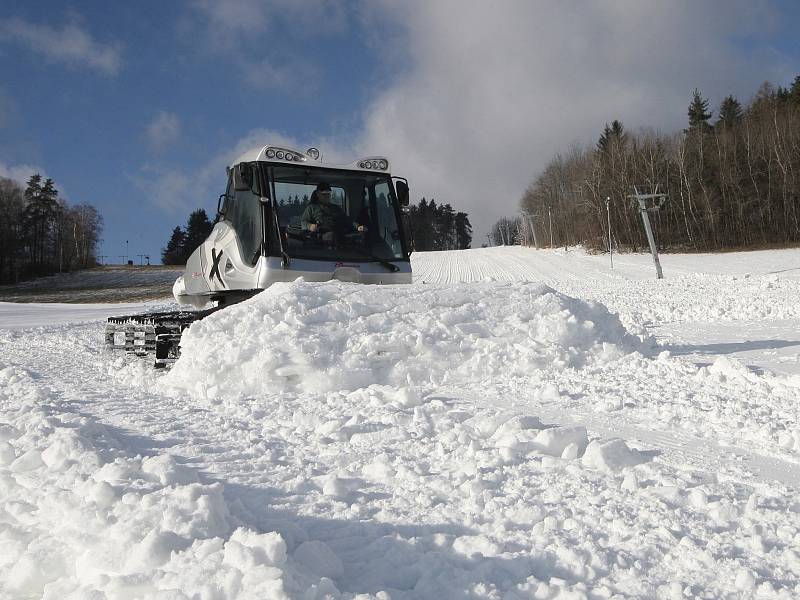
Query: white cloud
(177, 193)
(235, 22)
(232, 19)
(237, 29)
(170, 190)
(20, 173)
(482, 95)
(487, 93)
(163, 130)
(70, 44)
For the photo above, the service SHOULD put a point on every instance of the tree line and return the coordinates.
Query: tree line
(184, 241)
(438, 227)
(40, 234)
(732, 183)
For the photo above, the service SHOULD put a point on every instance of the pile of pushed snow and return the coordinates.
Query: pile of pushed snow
(81, 519)
(337, 336)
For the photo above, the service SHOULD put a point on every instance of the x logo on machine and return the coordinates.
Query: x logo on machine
(215, 266)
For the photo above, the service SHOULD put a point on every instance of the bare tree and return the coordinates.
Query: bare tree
(732, 185)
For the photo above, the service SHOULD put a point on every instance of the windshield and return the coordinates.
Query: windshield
(334, 215)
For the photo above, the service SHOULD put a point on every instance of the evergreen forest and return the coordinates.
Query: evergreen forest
(432, 226)
(184, 241)
(41, 234)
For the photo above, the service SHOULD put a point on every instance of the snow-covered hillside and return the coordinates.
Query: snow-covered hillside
(515, 424)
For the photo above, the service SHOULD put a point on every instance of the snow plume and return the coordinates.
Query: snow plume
(69, 44)
(483, 94)
(332, 336)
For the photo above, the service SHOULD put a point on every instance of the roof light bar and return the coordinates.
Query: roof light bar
(377, 164)
(275, 153)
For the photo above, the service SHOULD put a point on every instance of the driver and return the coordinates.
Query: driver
(321, 215)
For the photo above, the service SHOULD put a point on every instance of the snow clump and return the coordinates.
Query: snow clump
(81, 519)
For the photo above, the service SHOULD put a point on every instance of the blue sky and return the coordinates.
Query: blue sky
(137, 107)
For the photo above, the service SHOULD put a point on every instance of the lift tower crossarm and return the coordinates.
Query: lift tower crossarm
(657, 200)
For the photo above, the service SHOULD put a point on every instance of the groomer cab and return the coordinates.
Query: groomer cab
(286, 214)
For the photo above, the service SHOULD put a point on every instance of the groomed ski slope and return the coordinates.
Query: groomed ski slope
(483, 433)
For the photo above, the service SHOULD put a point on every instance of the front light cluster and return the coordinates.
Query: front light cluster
(374, 163)
(283, 154)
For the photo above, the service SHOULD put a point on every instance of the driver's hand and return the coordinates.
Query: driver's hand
(312, 227)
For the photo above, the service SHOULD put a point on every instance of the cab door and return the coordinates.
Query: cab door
(236, 243)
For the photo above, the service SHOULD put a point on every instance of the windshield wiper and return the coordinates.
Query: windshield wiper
(391, 266)
(385, 263)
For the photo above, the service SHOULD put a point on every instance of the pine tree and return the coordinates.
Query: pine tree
(173, 253)
(34, 188)
(32, 217)
(605, 140)
(55, 208)
(698, 112)
(794, 91)
(40, 219)
(422, 226)
(430, 219)
(198, 228)
(445, 228)
(613, 135)
(730, 112)
(463, 231)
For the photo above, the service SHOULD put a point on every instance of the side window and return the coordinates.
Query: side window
(243, 211)
(227, 202)
(388, 230)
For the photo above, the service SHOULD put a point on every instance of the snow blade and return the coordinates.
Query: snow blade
(152, 334)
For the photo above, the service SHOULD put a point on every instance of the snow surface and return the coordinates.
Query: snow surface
(23, 316)
(98, 284)
(515, 424)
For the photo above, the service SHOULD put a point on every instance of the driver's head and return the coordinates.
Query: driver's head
(324, 191)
